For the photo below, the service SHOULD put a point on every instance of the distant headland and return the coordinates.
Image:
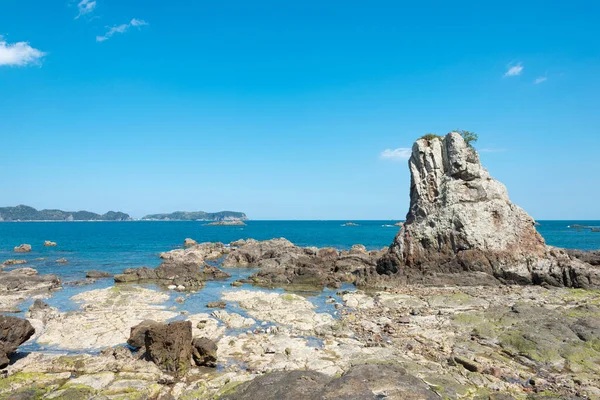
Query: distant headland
(27, 213)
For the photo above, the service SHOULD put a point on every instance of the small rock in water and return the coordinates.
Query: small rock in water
(49, 243)
(97, 274)
(180, 300)
(216, 304)
(13, 262)
(180, 288)
(62, 261)
(171, 287)
(24, 248)
(236, 284)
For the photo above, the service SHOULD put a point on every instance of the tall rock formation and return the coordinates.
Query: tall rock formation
(462, 228)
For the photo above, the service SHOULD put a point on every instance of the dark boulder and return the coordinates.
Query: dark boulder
(137, 335)
(13, 332)
(204, 352)
(170, 346)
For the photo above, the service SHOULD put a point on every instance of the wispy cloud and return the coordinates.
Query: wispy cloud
(492, 150)
(401, 153)
(514, 70)
(539, 80)
(120, 29)
(18, 54)
(85, 7)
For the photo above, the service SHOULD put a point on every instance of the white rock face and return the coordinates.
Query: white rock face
(461, 220)
(285, 309)
(105, 319)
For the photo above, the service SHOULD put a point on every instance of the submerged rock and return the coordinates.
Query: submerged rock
(462, 228)
(24, 248)
(13, 332)
(49, 243)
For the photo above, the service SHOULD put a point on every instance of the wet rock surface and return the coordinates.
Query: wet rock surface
(104, 318)
(461, 228)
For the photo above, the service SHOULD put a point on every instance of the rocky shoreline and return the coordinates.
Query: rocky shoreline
(467, 303)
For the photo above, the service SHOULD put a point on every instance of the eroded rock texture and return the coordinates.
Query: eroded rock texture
(462, 228)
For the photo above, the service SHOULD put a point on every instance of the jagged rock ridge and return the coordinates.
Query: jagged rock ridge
(462, 227)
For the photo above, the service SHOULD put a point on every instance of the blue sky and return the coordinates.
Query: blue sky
(283, 111)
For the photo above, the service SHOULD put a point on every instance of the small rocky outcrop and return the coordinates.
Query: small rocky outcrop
(189, 242)
(590, 257)
(42, 311)
(14, 282)
(204, 352)
(23, 248)
(462, 228)
(49, 243)
(282, 263)
(13, 332)
(93, 274)
(183, 267)
(226, 223)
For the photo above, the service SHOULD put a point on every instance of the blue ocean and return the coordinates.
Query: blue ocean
(114, 246)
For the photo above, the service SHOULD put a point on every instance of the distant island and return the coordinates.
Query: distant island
(26, 213)
(198, 216)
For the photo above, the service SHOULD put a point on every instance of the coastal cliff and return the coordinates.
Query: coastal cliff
(462, 227)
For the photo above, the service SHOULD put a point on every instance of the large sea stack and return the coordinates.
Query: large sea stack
(463, 229)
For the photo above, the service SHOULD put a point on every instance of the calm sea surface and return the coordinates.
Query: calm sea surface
(114, 246)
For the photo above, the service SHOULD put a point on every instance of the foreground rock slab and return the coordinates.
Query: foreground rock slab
(361, 382)
(105, 317)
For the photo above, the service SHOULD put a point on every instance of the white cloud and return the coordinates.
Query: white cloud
(514, 70)
(397, 154)
(18, 54)
(539, 80)
(85, 7)
(120, 29)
